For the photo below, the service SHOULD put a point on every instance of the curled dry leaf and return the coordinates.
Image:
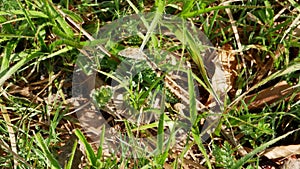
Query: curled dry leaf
(281, 151)
(229, 64)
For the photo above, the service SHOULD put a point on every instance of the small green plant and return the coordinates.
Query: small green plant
(224, 155)
(41, 40)
(101, 95)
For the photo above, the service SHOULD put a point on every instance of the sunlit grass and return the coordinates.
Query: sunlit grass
(39, 48)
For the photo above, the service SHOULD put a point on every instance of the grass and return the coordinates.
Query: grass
(44, 43)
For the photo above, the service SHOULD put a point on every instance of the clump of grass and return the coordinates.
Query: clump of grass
(39, 47)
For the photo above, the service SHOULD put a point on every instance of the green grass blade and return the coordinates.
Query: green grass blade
(70, 161)
(15, 36)
(243, 160)
(192, 98)
(197, 139)
(195, 48)
(136, 10)
(100, 148)
(7, 26)
(9, 48)
(30, 13)
(153, 25)
(7, 73)
(295, 4)
(88, 148)
(128, 130)
(31, 23)
(53, 162)
(153, 85)
(60, 20)
(59, 52)
(73, 15)
(160, 128)
(187, 7)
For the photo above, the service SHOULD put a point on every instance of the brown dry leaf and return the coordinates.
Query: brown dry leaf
(229, 64)
(269, 95)
(281, 151)
(291, 164)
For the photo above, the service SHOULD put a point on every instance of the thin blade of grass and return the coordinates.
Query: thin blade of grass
(100, 148)
(196, 134)
(7, 27)
(132, 142)
(6, 147)
(9, 48)
(187, 7)
(15, 36)
(31, 13)
(160, 127)
(73, 15)
(59, 52)
(88, 148)
(10, 21)
(153, 25)
(244, 159)
(32, 26)
(70, 161)
(195, 48)
(192, 98)
(59, 19)
(7, 73)
(40, 141)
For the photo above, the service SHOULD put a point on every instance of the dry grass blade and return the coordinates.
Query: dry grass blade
(235, 31)
(5, 145)
(11, 133)
(294, 24)
(229, 65)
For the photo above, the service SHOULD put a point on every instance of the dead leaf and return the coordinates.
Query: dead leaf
(281, 151)
(229, 65)
(291, 164)
(269, 95)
